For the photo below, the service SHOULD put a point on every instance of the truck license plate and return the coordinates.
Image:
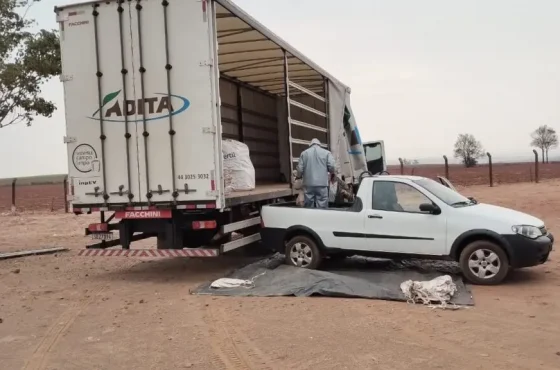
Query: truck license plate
(102, 236)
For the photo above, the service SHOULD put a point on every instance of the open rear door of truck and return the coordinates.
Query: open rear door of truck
(140, 94)
(375, 156)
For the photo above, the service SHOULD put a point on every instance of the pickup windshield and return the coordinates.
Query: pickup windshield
(446, 195)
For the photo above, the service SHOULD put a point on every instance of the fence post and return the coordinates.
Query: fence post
(14, 195)
(402, 166)
(536, 166)
(65, 187)
(446, 167)
(490, 168)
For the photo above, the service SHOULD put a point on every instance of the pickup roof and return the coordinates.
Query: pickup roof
(410, 217)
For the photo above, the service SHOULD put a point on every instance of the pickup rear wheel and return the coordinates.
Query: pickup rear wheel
(484, 263)
(302, 251)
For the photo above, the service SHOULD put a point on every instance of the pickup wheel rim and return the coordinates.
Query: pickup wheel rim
(484, 263)
(301, 254)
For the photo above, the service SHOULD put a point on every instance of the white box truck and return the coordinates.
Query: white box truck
(152, 88)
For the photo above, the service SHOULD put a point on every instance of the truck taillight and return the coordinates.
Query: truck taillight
(98, 228)
(199, 225)
(262, 222)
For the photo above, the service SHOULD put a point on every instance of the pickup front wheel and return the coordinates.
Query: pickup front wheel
(484, 263)
(302, 251)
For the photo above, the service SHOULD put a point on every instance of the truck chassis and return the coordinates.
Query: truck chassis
(179, 233)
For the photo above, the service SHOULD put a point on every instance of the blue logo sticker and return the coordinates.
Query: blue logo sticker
(153, 108)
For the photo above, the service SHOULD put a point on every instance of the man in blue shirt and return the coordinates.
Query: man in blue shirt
(315, 164)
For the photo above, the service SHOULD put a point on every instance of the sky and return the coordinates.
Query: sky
(421, 72)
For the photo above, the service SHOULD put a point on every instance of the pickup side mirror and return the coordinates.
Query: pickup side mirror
(430, 208)
(473, 200)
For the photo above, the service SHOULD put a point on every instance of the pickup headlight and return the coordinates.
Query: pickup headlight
(531, 232)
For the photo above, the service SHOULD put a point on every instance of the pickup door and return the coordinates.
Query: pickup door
(395, 224)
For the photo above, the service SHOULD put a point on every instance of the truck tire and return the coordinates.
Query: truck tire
(484, 263)
(302, 251)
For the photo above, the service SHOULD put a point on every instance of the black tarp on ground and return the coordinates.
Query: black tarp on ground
(357, 277)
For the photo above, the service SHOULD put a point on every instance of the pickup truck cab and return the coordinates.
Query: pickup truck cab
(410, 217)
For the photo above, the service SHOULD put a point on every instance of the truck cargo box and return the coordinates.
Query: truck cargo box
(151, 87)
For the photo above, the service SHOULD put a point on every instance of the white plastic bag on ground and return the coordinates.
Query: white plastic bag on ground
(225, 283)
(239, 173)
(438, 290)
(231, 283)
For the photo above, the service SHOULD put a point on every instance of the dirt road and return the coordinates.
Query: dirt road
(68, 312)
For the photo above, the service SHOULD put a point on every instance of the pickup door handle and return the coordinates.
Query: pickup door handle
(374, 216)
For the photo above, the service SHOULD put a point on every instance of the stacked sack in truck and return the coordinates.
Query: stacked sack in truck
(239, 173)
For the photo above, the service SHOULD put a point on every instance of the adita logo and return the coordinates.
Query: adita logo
(152, 108)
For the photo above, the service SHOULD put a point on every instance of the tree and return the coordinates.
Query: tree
(28, 59)
(468, 149)
(544, 138)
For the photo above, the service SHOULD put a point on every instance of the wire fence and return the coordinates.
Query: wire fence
(48, 193)
(490, 173)
(41, 193)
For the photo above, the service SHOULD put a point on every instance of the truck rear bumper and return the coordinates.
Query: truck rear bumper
(273, 238)
(150, 253)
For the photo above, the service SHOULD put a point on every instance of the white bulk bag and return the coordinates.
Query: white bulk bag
(440, 290)
(239, 173)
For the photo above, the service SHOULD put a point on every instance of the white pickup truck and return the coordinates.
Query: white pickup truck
(410, 217)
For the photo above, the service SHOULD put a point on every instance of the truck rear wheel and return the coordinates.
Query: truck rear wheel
(302, 251)
(484, 263)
